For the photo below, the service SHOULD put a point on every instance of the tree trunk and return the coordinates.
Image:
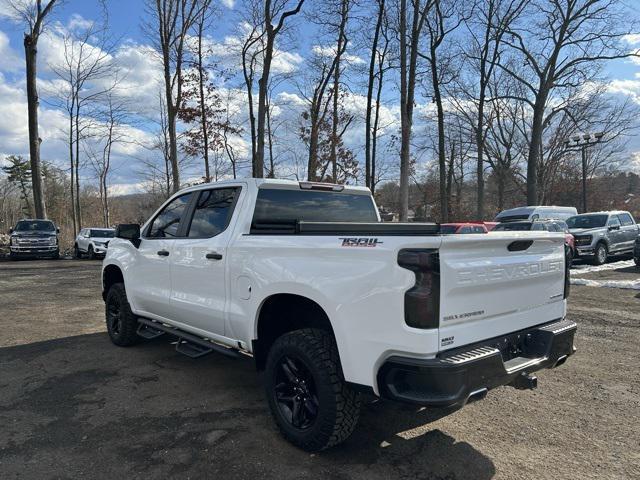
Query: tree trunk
(444, 207)
(203, 111)
(312, 165)
(72, 174)
(31, 53)
(535, 148)
(369, 179)
(374, 139)
(77, 164)
(450, 174)
(480, 158)
(258, 163)
(272, 171)
(333, 153)
(405, 119)
(501, 181)
(173, 148)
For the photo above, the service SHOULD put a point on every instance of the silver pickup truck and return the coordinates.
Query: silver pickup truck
(601, 234)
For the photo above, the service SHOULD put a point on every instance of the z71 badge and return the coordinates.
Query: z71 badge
(360, 242)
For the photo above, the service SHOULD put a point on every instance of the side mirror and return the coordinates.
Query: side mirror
(129, 231)
(614, 227)
(10, 231)
(57, 229)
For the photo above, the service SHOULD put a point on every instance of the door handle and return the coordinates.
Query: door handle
(163, 253)
(214, 256)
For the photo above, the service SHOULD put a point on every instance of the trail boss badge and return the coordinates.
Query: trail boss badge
(360, 242)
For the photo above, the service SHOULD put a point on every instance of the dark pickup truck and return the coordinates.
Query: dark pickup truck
(33, 238)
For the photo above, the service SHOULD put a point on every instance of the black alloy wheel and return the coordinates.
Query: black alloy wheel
(295, 392)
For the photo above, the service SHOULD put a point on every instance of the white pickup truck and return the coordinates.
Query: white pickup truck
(331, 303)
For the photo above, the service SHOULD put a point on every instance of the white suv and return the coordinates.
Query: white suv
(92, 242)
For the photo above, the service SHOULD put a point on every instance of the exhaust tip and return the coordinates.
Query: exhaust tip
(561, 360)
(477, 395)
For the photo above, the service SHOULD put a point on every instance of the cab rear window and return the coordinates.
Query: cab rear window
(288, 206)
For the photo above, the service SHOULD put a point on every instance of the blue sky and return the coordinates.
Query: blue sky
(125, 19)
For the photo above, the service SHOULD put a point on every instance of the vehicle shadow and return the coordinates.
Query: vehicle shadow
(159, 414)
(392, 433)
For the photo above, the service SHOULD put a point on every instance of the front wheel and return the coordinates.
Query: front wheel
(600, 257)
(91, 253)
(122, 324)
(309, 399)
(76, 252)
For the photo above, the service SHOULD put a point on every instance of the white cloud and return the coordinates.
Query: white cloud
(627, 87)
(11, 61)
(228, 52)
(632, 38)
(228, 3)
(330, 51)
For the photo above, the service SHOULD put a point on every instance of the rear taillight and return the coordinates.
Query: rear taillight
(567, 270)
(422, 301)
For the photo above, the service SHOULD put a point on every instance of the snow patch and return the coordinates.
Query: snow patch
(625, 284)
(583, 269)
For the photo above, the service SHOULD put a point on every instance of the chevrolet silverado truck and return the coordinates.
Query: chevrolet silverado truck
(600, 234)
(32, 238)
(331, 303)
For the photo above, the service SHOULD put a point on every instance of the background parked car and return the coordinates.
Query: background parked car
(546, 225)
(601, 234)
(92, 242)
(33, 238)
(636, 252)
(449, 228)
(536, 212)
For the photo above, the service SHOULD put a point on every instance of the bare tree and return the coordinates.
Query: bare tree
(377, 68)
(444, 17)
(341, 47)
(563, 44)
(172, 21)
(85, 69)
(272, 10)
(33, 15)
(486, 28)
(409, 47)
(250, 54)
(111, 131)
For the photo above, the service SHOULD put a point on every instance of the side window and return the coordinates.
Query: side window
(613, 221)
(167, 223)
(537, 227)
(478, 230)
(625, 219)
(212, 212)
(465, 229)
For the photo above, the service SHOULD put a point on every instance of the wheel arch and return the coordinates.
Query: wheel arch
(111, 274)
(281, 313)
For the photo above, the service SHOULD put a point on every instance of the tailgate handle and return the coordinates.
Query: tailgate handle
(519, 245)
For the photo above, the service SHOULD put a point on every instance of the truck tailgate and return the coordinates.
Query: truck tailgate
(498, 283)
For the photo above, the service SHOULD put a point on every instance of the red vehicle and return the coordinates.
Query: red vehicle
(462, 227)
(547, 225)
(490, 225)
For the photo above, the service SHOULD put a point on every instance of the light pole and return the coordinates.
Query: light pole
(583, 142)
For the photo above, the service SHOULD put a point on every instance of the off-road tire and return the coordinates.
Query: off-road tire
(123, 329)
(598, 257)
(338, 405)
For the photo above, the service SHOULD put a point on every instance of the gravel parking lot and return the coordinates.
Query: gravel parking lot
(72, 405)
